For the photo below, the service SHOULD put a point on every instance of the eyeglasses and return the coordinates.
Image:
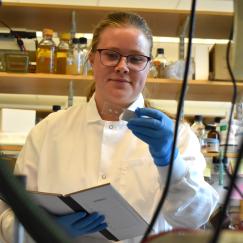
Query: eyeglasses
(111, 58)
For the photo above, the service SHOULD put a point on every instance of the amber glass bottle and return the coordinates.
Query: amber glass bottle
(45, 56)
(61, 53)
(160, 62)
(213, 139)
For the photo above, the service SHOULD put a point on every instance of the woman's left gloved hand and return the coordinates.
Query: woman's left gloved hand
(81, 223)
(157, 130)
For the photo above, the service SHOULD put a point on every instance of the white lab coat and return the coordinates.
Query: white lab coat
(74, 149)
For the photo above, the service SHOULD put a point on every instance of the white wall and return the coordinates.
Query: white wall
(204, 5)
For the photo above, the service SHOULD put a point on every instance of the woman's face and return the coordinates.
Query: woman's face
(119, 85)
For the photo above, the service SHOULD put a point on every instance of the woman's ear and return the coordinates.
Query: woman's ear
(91, 58)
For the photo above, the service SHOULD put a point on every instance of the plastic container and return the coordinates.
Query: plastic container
(17, 62)
(61, 53)
(235, 135)
(45, 56)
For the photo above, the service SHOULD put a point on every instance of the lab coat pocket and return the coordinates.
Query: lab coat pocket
(140, 183)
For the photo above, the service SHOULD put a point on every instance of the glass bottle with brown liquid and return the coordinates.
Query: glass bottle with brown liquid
(213, 140)
(61, 53)
(45, 56)
(160, 62)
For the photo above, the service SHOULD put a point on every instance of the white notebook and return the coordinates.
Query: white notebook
(123, 221)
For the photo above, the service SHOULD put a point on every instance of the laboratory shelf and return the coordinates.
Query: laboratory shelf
(214, 154)
(163, 22)
(166, 89)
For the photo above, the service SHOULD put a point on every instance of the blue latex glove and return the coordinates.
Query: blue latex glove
(80, 223)
(157, 130)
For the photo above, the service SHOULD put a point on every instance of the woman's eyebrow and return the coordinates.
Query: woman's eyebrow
(130, 52)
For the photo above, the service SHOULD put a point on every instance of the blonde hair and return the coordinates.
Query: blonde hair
(121, 19)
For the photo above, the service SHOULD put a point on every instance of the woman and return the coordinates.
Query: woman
(88, 145)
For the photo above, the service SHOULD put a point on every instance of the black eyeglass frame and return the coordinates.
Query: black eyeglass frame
(100, 50)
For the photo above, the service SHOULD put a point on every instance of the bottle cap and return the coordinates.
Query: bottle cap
(65, 36)
(48, 32)
(83, 40)
(208, 127)
(212, 126)
(56, 107)
(75, 41)
(225, 160)
(215, 160)
(160, 50)
(198, 118)
(217, 119)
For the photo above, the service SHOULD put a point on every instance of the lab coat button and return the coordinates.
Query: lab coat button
(103, 177)
(111, 126)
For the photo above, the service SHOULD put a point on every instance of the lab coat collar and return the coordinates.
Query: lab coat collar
(92, 111)
(93, 114)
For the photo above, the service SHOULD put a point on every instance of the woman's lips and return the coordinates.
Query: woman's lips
(120, 80)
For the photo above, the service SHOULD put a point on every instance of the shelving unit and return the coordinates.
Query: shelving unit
(229, 155)
(57, 84)
(14, 148)
(9, 153)
(163, 22)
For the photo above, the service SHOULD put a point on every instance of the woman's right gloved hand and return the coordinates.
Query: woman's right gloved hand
(80, 223)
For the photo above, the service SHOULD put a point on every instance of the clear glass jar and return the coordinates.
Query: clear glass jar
(73, 65)
(199, 129)
(85, 64)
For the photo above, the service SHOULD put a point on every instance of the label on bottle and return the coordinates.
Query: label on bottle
(212, 145)
(45, 60)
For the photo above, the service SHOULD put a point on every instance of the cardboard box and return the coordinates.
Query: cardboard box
(17, 120)
(218, 64)
(201, 58)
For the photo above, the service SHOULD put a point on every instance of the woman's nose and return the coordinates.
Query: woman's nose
(122, 66)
